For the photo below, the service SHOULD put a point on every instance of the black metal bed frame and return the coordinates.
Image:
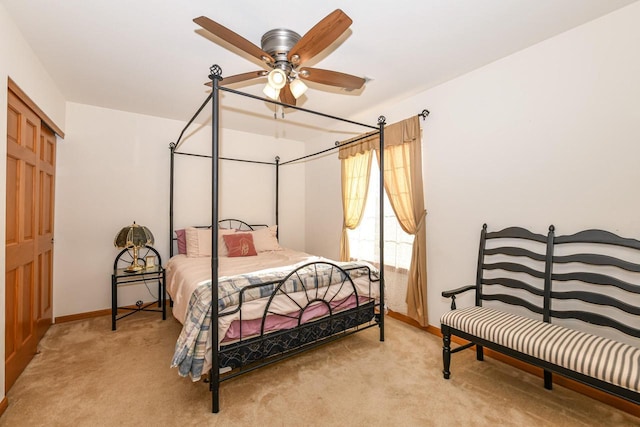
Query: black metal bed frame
(306, 336)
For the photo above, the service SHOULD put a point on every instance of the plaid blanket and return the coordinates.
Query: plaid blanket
(191, 347)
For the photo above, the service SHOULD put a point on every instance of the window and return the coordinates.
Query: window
(364, 242)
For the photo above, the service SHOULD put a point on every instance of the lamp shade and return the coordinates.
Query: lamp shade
(133, 235)
(298, 88)
(277, 78)
(271, 92)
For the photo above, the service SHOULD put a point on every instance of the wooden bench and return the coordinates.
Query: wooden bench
(568, 304)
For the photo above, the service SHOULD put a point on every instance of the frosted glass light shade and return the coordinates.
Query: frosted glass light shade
(270, 92)
(298, 88)
(277, 78)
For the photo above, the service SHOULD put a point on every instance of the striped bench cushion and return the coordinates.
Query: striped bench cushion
(611, 361)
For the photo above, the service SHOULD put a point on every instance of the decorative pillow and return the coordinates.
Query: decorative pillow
(265, 239)
(182, 241)
(240, 244)
(199, 242)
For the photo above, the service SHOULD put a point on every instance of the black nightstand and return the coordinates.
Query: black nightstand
(148, 275)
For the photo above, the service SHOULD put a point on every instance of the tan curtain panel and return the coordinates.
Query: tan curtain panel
(356, 169)
(359, 145)
(404, 186)
(404, 132)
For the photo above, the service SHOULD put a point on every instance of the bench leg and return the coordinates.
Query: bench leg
(548, 382)
(479, 352)
(446, 352)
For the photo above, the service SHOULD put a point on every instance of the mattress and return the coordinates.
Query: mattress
(185, 274)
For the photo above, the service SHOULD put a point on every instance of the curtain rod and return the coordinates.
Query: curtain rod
(424, 113)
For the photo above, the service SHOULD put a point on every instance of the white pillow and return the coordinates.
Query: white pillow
(199, 242)
(264, 239)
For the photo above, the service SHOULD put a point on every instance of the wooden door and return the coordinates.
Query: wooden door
(46, 187)
(29, 231)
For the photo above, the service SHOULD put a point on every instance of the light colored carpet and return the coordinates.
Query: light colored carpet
(87, 375)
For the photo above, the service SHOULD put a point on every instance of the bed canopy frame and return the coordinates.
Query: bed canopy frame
(216, 77)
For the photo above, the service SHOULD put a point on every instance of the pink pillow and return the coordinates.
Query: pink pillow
(199, 242)
(240, 244)
(182, 241)
(264, 239)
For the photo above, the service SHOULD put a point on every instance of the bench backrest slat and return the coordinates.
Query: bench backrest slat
(514, 284)
(516, 233)
(513, 251)
(597, 259)
(596, 319)
(597, 279)
(514, 268)
(599, 299)
(598, 236)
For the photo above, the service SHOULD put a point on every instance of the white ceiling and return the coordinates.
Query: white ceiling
(149, 57)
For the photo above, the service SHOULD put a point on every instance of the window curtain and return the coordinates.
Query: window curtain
(356, 168)
(404, 186)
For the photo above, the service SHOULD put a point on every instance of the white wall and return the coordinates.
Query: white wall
(113, 169)
(18, 62)
(324, 204)
(547, 135)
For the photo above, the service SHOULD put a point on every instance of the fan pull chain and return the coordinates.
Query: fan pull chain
(275, 111)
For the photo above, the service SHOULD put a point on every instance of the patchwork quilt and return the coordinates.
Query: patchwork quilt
(191, 347)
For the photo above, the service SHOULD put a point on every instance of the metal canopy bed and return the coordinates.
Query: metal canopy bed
(244, 355)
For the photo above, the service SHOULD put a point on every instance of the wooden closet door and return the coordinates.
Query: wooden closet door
(29, 219)
(46, 187)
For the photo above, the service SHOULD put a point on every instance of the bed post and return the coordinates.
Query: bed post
(277, 194)
(172, 147)
(214, 384)
(381, 122)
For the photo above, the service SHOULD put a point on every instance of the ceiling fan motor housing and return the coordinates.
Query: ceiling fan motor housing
(278, 43)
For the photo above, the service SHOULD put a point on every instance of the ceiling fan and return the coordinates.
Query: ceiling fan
(284, 51)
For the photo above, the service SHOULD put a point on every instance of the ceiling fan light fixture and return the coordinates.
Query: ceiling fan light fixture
(277, 78)
(298, 88)
(271, 92)
(284, 50)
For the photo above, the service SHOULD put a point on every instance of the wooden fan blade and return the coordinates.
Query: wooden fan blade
(320, 36)
(286, 96)
(331, 78)
(233, 38)
(240, 77)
